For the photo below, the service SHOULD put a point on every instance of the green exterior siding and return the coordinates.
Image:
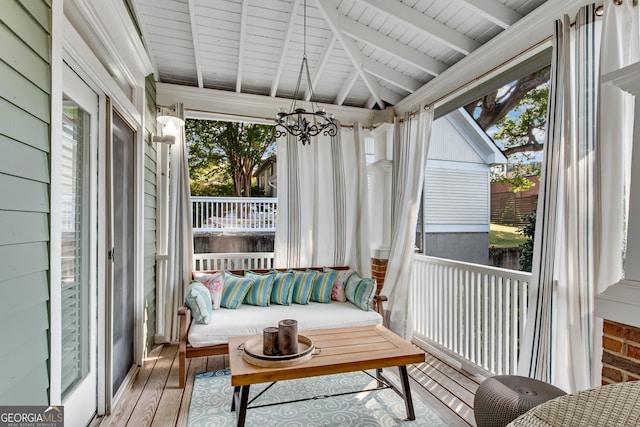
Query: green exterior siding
(25, 101)
(150, 214)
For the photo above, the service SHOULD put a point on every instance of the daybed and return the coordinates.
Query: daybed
(200, 340)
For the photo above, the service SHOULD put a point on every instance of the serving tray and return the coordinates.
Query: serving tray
(252, 353)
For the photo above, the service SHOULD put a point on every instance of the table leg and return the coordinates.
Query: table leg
(406, 390)
(236, 390)
(379, 377)
(240, 401)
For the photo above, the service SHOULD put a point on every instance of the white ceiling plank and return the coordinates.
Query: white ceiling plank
(196, 43)
(421, 22)
(285, 47)
(390, 75)
(332, 17)
(371, 37)
(370, 102)
(243, 35)
(494, 11)
(346, 88)
(318, 71)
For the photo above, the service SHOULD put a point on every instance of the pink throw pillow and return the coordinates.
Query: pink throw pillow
(213, 282)
(337, 290)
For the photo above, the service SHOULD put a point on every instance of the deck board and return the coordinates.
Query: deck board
(154, 397)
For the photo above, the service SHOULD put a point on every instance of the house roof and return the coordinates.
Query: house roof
(362, 53)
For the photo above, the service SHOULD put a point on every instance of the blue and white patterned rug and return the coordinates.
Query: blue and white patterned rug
(211, 402)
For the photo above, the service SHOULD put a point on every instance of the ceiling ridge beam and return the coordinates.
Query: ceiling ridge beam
(403, 52)
(390, 96)
(332, 17)
(425, 24)
(195, 40)
(346, 87)
(390, 75)
(323, 62)
(285, 46)
(243, 35)
(494, 11)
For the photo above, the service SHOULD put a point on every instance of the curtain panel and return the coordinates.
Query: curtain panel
(410, 147)
(323, 216)
(558, 341)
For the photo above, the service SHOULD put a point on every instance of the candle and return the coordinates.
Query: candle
(287, 337)
(270, 341)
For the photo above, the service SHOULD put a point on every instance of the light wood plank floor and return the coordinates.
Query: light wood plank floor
(154, 399)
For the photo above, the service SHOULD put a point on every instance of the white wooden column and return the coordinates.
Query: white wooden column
(380, 191)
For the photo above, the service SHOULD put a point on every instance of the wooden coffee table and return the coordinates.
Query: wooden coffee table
(341, 350)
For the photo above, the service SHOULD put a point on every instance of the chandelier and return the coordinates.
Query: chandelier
(298, 121)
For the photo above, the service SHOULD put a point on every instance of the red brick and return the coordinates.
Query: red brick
(605, 382)
(631, 334)
(633, 351)
(611, 374)
(612, 344)
(611, 328)
(632, 378)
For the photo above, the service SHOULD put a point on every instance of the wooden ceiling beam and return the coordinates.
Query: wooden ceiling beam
(194, 39)
(494, 11)
(243, 36)
(285, 47)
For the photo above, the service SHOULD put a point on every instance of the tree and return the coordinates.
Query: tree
(518, 115)
(526, 249)
(223, 151)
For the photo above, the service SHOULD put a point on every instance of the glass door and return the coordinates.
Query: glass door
(78, 252)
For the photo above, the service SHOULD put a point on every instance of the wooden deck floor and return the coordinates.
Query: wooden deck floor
(154, 399)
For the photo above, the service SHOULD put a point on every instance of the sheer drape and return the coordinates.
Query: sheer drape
(180, 236)
(410, 146)
(322, 203)
(557, 345)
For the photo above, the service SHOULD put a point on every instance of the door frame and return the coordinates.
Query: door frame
(69, 47)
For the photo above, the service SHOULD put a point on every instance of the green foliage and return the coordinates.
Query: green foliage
(526, 249)
(223, 155)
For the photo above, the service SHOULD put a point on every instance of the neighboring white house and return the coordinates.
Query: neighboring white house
(457, 192)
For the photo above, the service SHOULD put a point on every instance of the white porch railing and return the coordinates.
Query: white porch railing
(475, 311)
(219, 214)
(233, 261)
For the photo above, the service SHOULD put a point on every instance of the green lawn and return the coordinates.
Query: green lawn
(505, 236)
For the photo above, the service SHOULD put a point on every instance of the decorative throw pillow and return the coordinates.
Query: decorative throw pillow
(213, 282)
(322, 286)
(302, 286)
(337, 290)
(282, 290)
(198, 299)
(235, 289)
(360, 291)
(260, 292)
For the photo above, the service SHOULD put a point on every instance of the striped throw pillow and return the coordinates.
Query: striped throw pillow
(360, 291)
(282, 290)
(198, 299)
(322, 286)
(234, 290)
(260, 292)
(302, 286)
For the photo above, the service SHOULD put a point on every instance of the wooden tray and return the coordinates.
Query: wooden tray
(252, 353)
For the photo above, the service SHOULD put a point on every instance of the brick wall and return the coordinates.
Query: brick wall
(379, 271)
(620, 353)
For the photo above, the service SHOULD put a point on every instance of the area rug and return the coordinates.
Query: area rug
(211, 403)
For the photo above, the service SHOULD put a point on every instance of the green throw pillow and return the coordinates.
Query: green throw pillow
(198, 299)
(282, 290)
(302, 286)
(322, 286)
(260, 292)
(360, 291)
(234, 290)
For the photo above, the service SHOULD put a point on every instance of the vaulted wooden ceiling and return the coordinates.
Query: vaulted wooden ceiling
(362, 53)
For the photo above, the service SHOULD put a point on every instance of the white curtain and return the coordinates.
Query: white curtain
(410, 147)
(323, 217)
(180, 235)
(558, 341)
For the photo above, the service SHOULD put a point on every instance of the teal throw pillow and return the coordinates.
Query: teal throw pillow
(198, 299)
(302, 286)
(260, 292)
(322, 286)
(360, 291)
(234, 290)
(282, 290)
